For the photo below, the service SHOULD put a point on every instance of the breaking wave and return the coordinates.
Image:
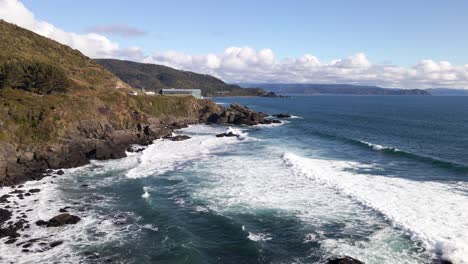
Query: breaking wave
(432, 212)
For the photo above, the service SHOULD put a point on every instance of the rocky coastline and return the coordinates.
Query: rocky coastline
(93, 139)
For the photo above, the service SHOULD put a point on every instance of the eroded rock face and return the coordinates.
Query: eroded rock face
(238, 115)
(102, 139)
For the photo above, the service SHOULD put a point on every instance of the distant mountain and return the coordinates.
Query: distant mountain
(333, 89)
(155, 77)
(448, 92)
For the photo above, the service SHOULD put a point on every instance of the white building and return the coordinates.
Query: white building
(193, 92)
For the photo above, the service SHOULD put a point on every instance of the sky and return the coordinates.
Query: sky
(399, 43)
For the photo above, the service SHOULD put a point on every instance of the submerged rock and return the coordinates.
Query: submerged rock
(228, 134)
(178, 138)
(343, 260)
(282, 115)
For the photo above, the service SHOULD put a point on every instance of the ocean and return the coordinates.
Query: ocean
(383, 179)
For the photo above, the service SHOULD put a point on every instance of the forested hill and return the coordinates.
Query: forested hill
(333, 89)
(154, 77)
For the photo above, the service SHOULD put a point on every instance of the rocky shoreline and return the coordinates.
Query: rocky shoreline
(98, 142)
(91, 140)
(102, 140)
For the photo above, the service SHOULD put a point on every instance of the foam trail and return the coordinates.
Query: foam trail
(164, 155)
(434, 212)
(379, 147)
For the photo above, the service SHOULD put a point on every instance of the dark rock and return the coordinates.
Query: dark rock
(41, 223)
(282, 116)
(4, 198)
(55, 243)
(11, 241)
(240, 115)
(5, 215)
(17, 191)
(34, 190)
(10, 231)
(228, 134)
(274, 121)
(84, 185)
(270, 94)
(343, 260)
(60, 172)
(178, 138)
(27, 194)
(64, 210)
(63, 219)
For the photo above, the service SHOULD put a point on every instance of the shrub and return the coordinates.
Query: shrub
(35, 77)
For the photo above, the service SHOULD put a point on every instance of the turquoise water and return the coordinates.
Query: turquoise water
(382, 179)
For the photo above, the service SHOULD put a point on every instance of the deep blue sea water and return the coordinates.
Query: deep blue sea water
(382, 179)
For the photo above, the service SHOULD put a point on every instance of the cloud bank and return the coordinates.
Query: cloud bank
(245, 64)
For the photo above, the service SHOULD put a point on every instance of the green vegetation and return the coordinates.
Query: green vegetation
(154, 77)
(34, 77)
(47, 89)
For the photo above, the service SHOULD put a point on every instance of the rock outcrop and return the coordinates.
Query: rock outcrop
(343, 260)
(103, 139)
(240, 115)
(281, 115)
(228, 134)
(60, 220)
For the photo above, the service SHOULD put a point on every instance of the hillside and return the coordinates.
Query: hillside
(334, 89)
(154, 77)
(59, 108)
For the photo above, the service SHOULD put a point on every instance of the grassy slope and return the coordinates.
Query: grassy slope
(155, 77)
(28, 118)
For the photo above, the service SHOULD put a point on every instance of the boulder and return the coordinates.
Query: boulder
(60, 220)
(343, 260)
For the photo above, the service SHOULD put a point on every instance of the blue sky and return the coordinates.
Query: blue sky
(402, 44)
(398, 32)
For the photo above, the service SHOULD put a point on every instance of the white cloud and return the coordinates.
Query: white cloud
(91, 44)
(245, 64)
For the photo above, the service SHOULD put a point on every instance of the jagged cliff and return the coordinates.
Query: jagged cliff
(59, 109)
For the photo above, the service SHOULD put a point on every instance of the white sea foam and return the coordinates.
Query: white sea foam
(263, 182)
(433, 212)
(379, 147)
(146, 195)
(43, 206)
(166, 155)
